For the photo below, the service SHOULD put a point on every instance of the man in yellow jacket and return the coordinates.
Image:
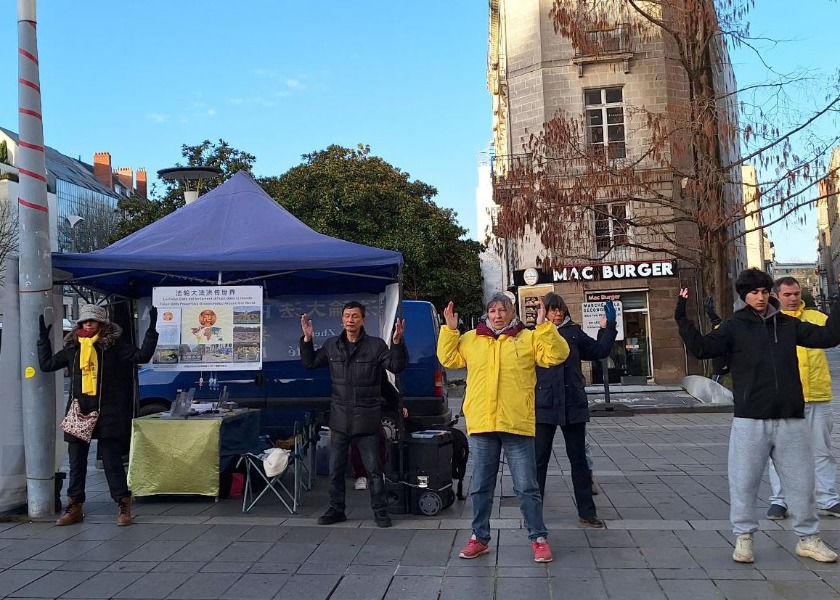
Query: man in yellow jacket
(816, 387)
(501, 356)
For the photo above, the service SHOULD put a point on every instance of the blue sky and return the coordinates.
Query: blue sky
(280, 79)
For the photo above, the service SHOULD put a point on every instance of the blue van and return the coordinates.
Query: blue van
(285, 391)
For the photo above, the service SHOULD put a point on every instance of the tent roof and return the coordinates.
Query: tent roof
(235, 234)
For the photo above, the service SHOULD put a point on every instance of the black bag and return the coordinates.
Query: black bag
(460, 455)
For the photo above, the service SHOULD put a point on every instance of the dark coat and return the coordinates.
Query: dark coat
(560, 394)
(115, 385)
(762, 356)
(356, 377)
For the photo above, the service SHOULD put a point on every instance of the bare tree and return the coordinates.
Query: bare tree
(8, 235)
(681, 182)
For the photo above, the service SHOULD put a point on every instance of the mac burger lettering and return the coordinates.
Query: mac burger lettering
(662, 268)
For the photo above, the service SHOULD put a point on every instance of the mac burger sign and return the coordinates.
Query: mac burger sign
(602, 272)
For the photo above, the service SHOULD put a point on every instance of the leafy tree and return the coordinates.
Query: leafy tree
(139, 212)
(684, 177)
(354, 196)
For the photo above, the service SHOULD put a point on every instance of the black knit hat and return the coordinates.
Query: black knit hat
(752, 279)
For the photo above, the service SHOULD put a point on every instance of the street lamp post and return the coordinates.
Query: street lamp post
(74, 220)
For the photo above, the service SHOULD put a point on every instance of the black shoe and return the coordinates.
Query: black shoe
(592, 521)
(831, 511)
(332, 516)
(382, 519)
(777, 512)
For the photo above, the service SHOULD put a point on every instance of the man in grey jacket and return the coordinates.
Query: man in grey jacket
(357, 363)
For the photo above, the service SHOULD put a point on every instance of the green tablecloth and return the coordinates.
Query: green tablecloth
(181, 456)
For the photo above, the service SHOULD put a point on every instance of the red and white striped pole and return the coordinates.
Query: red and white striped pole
(35, 275)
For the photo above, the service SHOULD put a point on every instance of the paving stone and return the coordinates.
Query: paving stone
(342, 554)
(130, 567)
(605, 538)
(619, 558)
(14, 579)
(697, 573)
(362, 587)
(185, 566)
(782, 575)
(87, 565)
(198, 551)
(372, 570)
(322, 568)
(218, 566)
(308, 587)
(155, 551)
(262, 586)
(204, 586)
(591, 588)
(742, 574)
(263, 533)
(703, 539)
(571, 557)
(677, 589)
(223, 533)
(656, 539)
(243, 552)
(748, 590)
(50, 585)
(517, 587)
(182, 532)
(534, 570)
(154, 585)
(110, 550)
(103, 585)
(632, 584)
(408, 587)
(669, 558)
(468, 588)
(809, 590)
(33, 564)
(274, 567)
(24, 549)
(376, 554)
(469, 569)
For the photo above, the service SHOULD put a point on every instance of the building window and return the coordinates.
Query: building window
(610, 226)
(605, 122)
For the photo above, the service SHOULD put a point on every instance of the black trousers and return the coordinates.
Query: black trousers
(111, 452)
(369, 451)
(575, 437)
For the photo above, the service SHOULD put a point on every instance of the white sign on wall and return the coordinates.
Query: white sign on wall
(592, 313)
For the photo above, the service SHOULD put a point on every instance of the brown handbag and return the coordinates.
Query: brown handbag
(78, 424)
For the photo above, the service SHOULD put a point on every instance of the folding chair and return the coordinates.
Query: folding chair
(254, 471)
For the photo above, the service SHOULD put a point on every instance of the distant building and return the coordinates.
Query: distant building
(759, 249)
(828, 227)
(82, 198)
(806, 273)
(534, 73)
(493, 279)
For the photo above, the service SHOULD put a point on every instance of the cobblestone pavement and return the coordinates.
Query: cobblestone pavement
(664, 496)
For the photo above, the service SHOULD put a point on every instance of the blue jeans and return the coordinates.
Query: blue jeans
(485, 451)
(369, 451)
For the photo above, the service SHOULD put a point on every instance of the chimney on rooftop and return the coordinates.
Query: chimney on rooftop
(102, 169)
(125, 175)
(142, 184)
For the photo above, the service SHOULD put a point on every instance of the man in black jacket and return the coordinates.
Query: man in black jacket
(357, 362)
(769, 406)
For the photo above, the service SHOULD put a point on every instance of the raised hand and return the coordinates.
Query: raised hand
(153, 314)
(306, 327)
(709, 306)
(609, 311)
(679, 311)
(399, 328)
(541, 312)
(43, 328)
(450, 316)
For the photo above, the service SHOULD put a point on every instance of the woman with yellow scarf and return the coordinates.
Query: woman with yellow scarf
(100, 362)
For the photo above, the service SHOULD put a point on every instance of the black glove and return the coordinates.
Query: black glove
(153, 319)
(43, 328)
(709, 306)
(679, 311)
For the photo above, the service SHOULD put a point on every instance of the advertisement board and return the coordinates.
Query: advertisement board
(592, 313)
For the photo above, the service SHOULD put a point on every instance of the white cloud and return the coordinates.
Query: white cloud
(295, 84)
(157, 117)
(211, 112)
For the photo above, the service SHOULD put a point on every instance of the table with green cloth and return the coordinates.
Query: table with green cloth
(185, 456)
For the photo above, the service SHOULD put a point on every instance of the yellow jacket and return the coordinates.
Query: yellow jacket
(813, 365)
(501, 374)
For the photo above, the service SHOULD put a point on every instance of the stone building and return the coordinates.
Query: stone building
(532, 74)
(828, 228)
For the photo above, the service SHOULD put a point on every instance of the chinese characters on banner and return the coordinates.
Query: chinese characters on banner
(208, 328)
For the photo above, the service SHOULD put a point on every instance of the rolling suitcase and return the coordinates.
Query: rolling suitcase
(422, 485)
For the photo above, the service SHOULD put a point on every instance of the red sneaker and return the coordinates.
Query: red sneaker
(542, 551)
(474, 548)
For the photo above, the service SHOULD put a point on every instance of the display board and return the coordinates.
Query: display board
(529, 302)
(208, 328)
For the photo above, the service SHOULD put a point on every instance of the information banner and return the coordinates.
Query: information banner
(208, 328)
(592, 313)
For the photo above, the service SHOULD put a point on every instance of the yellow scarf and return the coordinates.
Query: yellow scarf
(89, 364)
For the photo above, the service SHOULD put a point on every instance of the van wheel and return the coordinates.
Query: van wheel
(151, 409)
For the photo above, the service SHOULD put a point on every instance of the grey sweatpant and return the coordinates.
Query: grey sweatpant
(788, 443)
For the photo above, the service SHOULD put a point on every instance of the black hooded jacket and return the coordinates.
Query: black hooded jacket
(762, 356)
(356, 376)
(115, 387)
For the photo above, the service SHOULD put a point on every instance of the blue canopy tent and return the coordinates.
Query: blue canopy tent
(235, 234)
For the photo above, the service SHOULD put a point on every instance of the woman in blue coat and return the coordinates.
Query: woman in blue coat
(561, 401)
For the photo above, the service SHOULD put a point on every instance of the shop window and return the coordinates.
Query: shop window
(605, 122)
(630, 358)
(610, 226)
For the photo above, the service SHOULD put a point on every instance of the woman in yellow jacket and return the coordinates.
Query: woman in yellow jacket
(501, 356)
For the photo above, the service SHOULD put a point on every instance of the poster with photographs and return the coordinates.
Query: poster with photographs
(204, 328)
(529, 302)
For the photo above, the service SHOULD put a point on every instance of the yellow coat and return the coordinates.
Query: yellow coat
(813, 365)
(501, 374)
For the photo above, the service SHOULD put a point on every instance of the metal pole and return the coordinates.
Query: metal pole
(35, 277)
(605, 369)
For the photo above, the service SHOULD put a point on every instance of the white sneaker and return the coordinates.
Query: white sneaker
(743, 549)
(814, 547)
(361, 483)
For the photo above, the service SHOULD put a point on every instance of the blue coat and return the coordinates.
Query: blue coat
(560, 395)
